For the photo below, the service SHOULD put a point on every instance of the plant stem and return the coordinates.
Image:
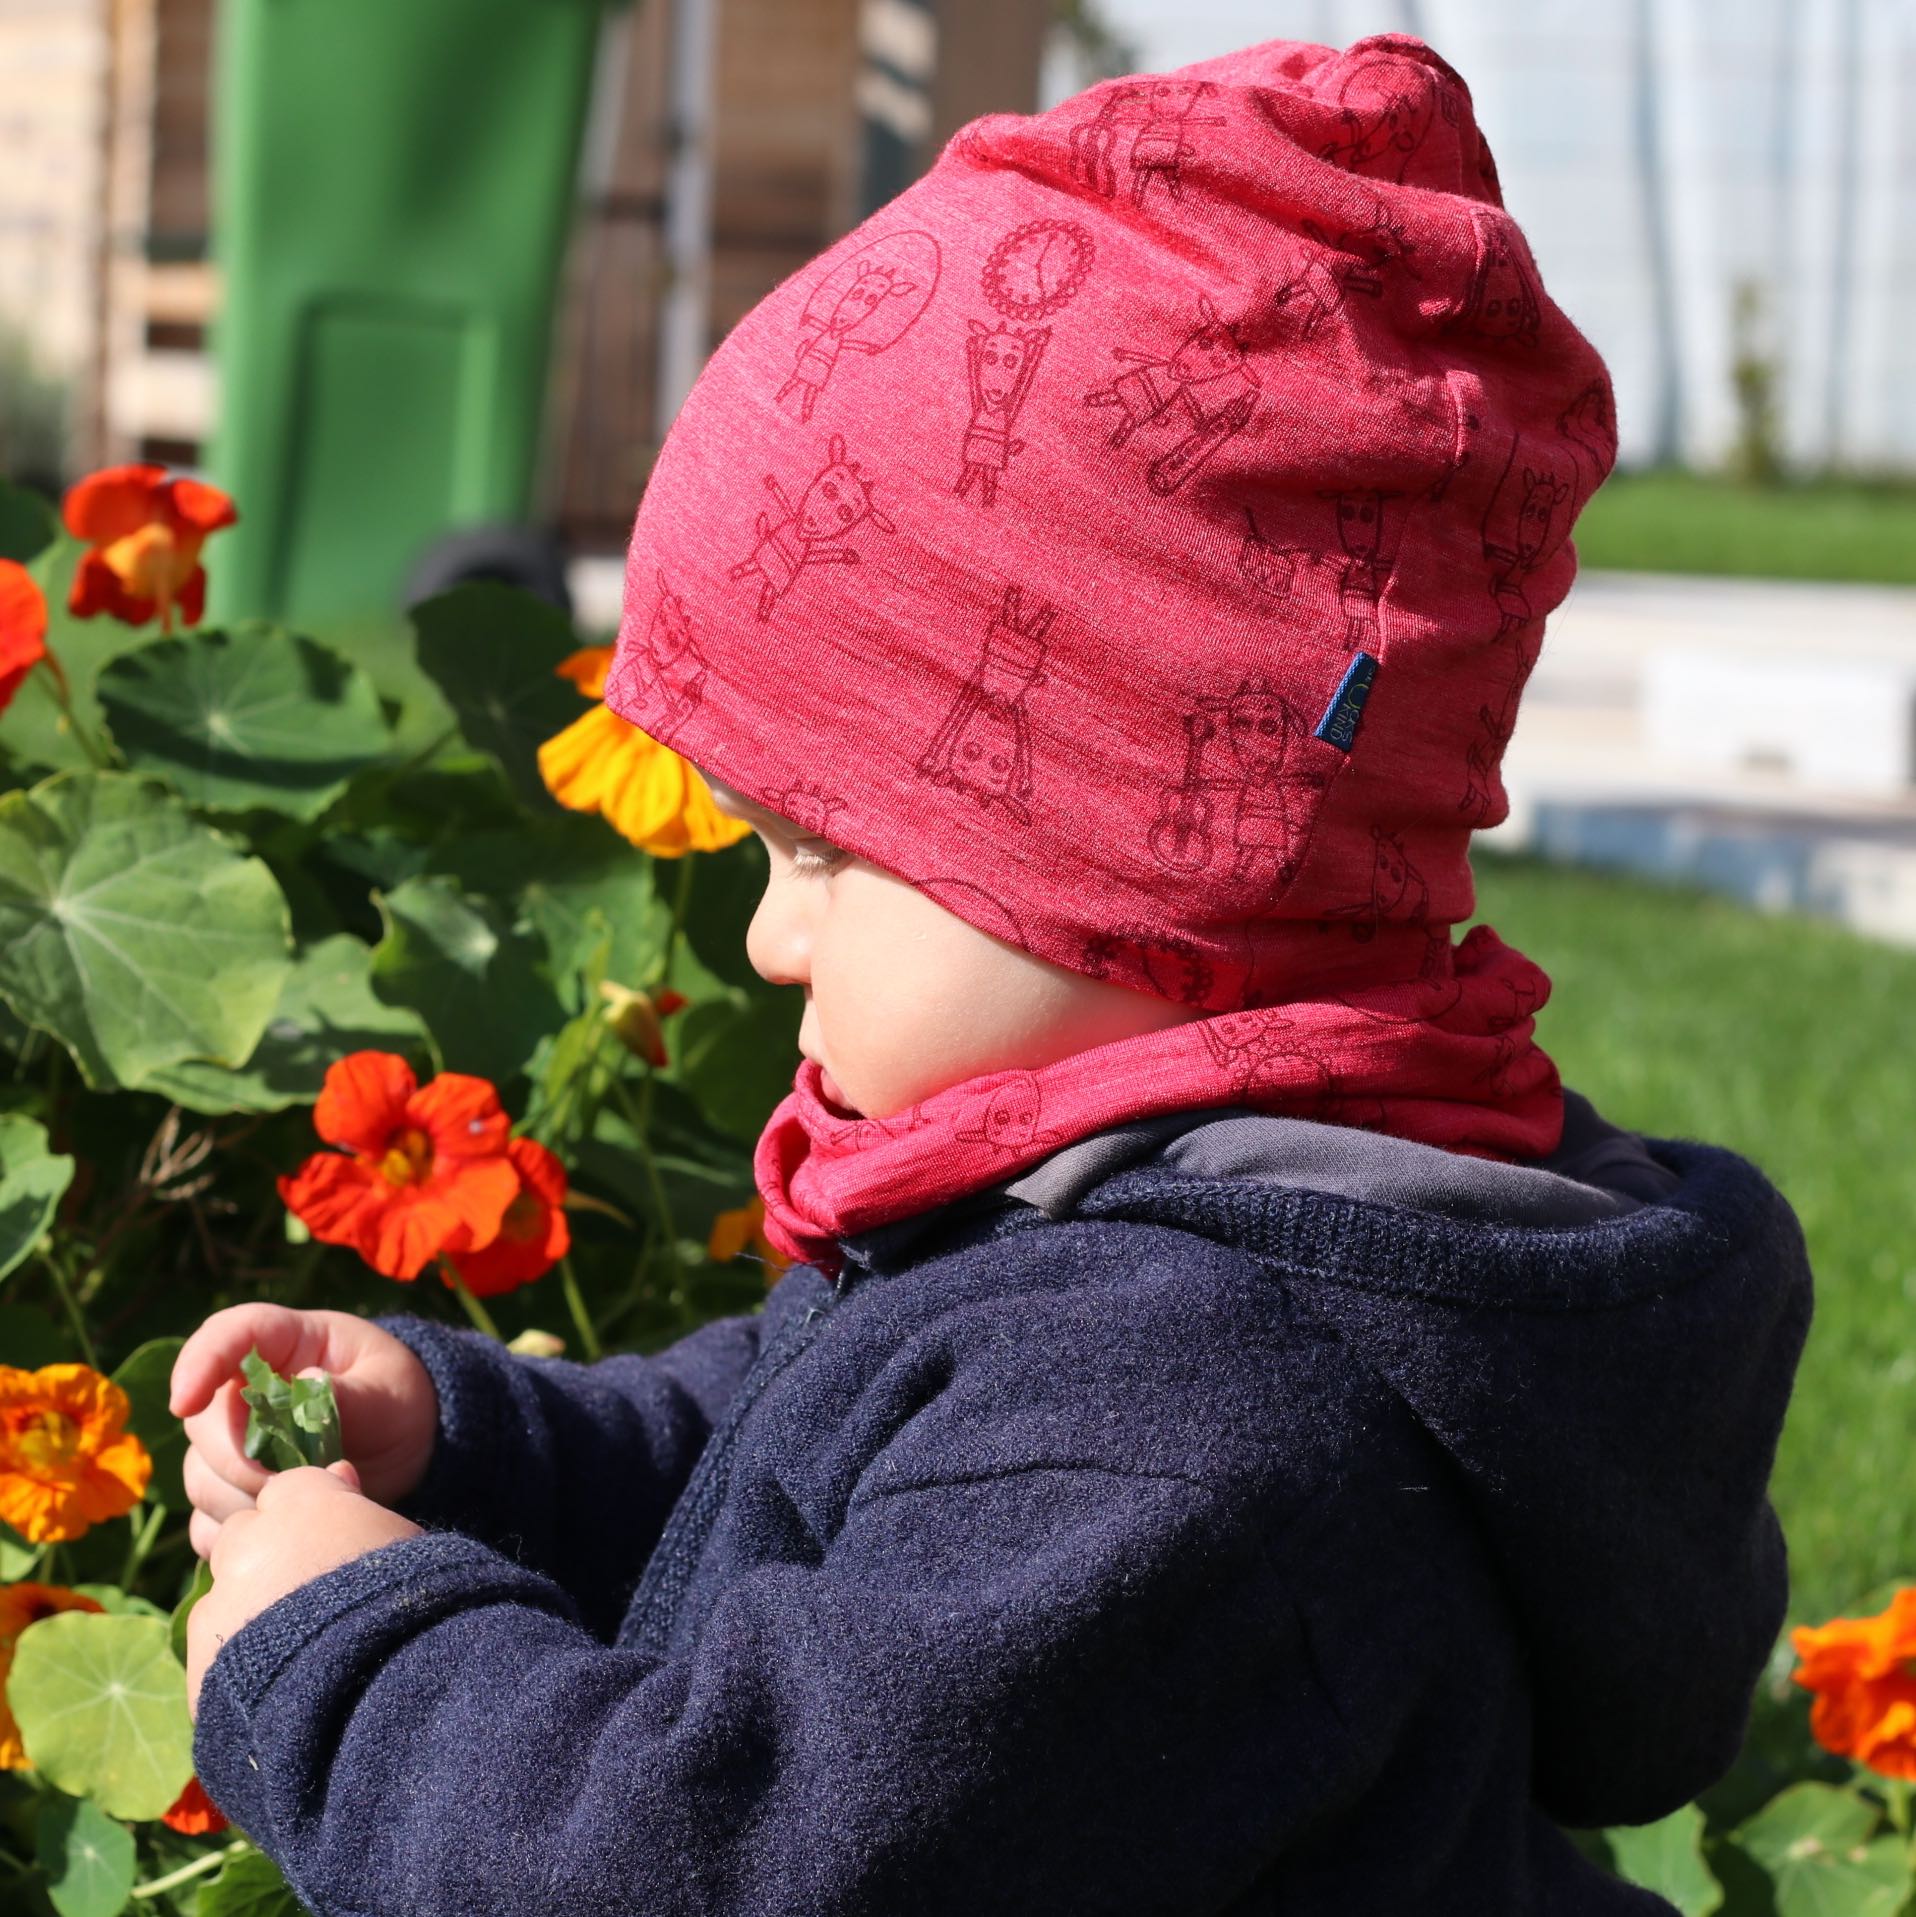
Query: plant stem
(15, 1863)
(588, 1338)
(636, 1116)
(187, 1872)
(142, 1543)
(681, 898)
(477, 1312)
(1896, 1791)
(63, 697)
(64, 1286)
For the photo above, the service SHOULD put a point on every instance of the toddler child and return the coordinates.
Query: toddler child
(1240, 1436)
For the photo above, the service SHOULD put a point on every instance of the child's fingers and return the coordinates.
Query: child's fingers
(218, 1434)
(208, 1491)
(200, 1533)
(286, 1339)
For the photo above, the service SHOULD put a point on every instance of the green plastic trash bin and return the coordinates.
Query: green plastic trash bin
(393, 182)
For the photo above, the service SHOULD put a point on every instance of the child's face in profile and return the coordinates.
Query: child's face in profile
(902, 998)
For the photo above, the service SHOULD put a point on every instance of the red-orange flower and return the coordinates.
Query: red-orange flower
(23, 628)
(736, 1232)
(21, 1605)
(146, 530)
(421, 1172)
(194, 1814)
(67, 1460)
(534, 1234)
(1863, 1671)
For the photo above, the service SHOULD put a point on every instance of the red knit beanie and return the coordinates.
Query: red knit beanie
(1137, 536)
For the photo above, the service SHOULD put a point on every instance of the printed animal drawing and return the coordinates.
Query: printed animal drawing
(837, 502)
(984, 746)
(1208, 379)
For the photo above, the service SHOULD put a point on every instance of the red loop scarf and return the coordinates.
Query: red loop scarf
(1447, 1061)
(1137, 536)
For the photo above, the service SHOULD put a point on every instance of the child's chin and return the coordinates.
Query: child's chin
(835, 1099)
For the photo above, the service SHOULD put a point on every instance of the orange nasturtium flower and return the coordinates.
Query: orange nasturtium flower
(419, 1172)
(23, 628)
(533, 1235)
(736, 1232)
(21, 1605)
(194, 1814)
(1863, 1671)
(602, 763)
(146, 529)
(67, 1460)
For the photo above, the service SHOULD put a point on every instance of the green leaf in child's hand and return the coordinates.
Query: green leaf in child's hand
(290, 1421)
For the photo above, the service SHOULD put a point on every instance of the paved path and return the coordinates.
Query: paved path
(1586, 784)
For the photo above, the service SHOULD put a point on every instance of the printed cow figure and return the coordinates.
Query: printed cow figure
(984, 746)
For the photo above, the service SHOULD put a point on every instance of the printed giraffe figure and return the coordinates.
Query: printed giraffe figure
(1259, 1055)
(1324, 285)
(818, 353)
(1000, 363)
(984, 746)
(668, 671)
(838, 500)
(1503, 301)
(1276, 794)
(1162, 146)
(1388, 106)
(1209, 379)
(1364, 573)
(1398, 892)
(1007, 1118)
(1543, 493)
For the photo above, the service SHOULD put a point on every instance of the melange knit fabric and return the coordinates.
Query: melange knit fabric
(1204, 1543)
(1137, 536)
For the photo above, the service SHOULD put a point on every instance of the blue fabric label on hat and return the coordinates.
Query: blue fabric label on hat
(1338, 726)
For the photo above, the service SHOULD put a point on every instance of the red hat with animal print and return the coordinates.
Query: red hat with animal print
(1137, 536)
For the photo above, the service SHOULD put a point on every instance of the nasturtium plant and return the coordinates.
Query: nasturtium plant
(290, 1421)
(131, 932)
(101, 1705)
(32, 1179)
(251, 717)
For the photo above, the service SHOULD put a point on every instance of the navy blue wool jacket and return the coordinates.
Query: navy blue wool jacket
(1235, 1515)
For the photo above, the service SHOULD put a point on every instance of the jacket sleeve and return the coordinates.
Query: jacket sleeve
(1062, 1688)
(570, 1469)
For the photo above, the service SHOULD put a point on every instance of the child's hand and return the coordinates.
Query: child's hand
(304, 1523)
(388, 1410)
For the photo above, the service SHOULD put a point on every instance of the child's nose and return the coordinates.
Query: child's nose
(778, 940)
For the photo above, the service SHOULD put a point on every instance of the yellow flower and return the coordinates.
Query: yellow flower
(21, 1605)
(602, 763)
(734, 1232)
(67, 1460)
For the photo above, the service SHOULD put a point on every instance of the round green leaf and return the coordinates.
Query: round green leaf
(1814, 1842)
(133, 933)
(120, 1603)
(249, 1886)
(494, 652)
(146, 1376)
(88, 1858)
(251, 717)
(737, 1056)
(1667, 1857)
(326, 1009)
(475, 981)
(18, 1558)
(27, 524)
(101, 1706)
(31, 1181)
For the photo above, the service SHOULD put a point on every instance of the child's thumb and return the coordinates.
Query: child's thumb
(346, 1469)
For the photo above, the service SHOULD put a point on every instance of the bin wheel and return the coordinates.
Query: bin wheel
(519, 556)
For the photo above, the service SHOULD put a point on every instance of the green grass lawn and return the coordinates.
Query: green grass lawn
(1790, 1041)
(1691, 522)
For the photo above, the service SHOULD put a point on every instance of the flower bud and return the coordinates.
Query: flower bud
(532, 1343)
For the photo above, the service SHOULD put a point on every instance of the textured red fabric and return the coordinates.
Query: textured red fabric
(1137, 536)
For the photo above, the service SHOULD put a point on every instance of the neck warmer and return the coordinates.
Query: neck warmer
(1137, 536)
